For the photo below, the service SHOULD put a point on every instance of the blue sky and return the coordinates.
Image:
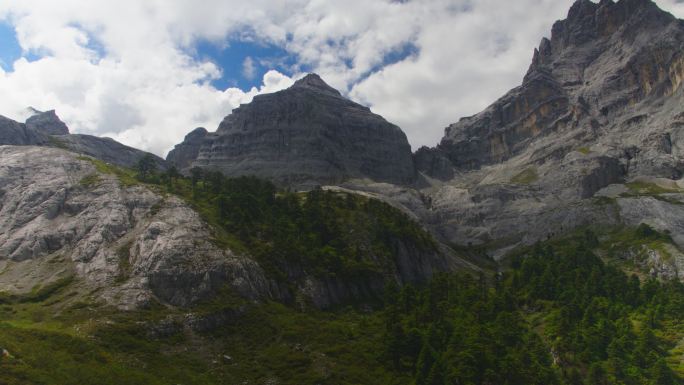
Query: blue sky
(9, 47)
(233, 55)
(10, 50)
(230, 56)
(242, 63)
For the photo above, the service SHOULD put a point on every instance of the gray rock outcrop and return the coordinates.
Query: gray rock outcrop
(308, 133)
(602, 73)
(59, 215)
(133, 245)
(106, 149)
(46, 129)
(16, 133)
(47, 123)
(184, 153)
(601, 104)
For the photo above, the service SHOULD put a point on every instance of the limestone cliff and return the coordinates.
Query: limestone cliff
(15, 133)
(307, 133)
(60, 216)
(599, 108)
(131, 244)
(184, 153)
(607, 68)
(46, 129)
(47, 123)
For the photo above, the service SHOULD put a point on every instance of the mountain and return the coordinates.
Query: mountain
(593, 136)
(106, 149)
(589, 135)
(351, 260)
(590, 138)
(68, 215)
(73, 207)
(15, 133)
(46, 129)
(62, 217)
(47, 123)
(307, 133)
(605, 61)
(184, 153)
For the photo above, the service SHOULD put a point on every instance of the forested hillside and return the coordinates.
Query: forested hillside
(560, 315)
(557, 312)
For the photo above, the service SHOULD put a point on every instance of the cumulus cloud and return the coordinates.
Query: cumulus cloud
(127, 69)
(675, 7)
(121, 70)
(248, 68)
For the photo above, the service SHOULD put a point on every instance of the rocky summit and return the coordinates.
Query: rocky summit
(593, 130)
(12, 132)
(47, 129)
(47, 123)
(603, 70)
(307, 133)
(184, 153)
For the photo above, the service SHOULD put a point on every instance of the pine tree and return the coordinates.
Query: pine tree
(146, 167)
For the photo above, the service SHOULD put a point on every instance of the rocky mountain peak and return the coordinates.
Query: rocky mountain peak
(46, 122)
(581, 9)
(314, 82)
(46, 129)
(184, 153)
(197, 133)
(603, 58)
(588, 21)
(305, 135)
(584, 9)
(599, 106)
(605, 31)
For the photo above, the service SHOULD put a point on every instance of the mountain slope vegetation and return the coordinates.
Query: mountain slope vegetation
(558, 315)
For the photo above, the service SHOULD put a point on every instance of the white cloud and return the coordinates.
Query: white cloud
(144, 89)
(248, 68)
(125, 69)
(675, 7)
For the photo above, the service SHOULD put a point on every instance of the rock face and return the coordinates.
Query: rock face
(106, 149)
(59, 215)
(15, 133)
(47, 123)
(308, 133)
(46, 129)
(185, 153)
(605, 61)
(601, 104)
(433, 163)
